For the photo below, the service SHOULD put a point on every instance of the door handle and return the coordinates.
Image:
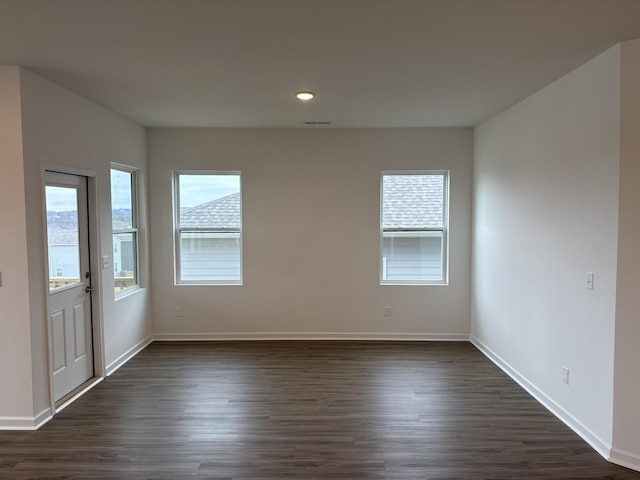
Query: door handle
(89, 289)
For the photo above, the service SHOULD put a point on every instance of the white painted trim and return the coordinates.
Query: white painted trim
(625, 459)
(599, 445)
(43, 417)
(26, 423)
(48, 165)
(405, 337)
(92, 383)
(128, 355)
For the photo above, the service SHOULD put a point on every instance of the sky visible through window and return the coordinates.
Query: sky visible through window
(120, 189)
(57, 198)
(199, 189)
(61, 199)
(194, 190)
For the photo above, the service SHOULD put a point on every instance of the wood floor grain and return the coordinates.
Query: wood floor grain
(304, 410)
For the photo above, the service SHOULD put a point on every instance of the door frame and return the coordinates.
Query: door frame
(97, 320)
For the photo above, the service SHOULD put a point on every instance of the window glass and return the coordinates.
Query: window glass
(208, 230)
(62, 236)
(121, 199)
(413, 228)
(125, 231)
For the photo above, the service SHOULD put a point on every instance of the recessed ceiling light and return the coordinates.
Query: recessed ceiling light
(305, 96)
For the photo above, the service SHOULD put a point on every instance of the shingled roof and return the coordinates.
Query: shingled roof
(222, 213)
(411, 201)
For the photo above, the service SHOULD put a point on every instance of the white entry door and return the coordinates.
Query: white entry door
(69, 281)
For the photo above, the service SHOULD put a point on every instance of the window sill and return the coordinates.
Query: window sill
(128, 292)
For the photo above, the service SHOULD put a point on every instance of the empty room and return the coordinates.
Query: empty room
(319, 239)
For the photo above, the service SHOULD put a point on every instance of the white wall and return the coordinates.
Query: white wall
(16, 405)
(626, 420)
(311, 209)
(545, 213)
(64, 130)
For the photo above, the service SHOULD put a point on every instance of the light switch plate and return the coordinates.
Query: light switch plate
(105, 261)
(589, 281)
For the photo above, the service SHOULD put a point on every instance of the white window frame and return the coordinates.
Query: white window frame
(133, 172)
(178, 230)
(443, 230)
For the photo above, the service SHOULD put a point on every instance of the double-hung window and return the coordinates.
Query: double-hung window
(413, 227)
(124, 221)
(208, 228)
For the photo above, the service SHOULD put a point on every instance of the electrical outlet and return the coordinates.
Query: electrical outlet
(178, 311)
(565, 375)
(387, 311)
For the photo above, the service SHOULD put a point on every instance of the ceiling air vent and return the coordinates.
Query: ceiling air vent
(317, 123)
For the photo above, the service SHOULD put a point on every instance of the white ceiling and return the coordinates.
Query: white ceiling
(373, 63)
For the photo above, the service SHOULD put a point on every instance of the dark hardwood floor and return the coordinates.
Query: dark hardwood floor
(305, 410)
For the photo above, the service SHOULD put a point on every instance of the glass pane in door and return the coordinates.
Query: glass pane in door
(62, 236)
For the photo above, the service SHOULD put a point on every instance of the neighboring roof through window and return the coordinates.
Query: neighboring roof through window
(412, 201)
(409, 201)
(223, 213)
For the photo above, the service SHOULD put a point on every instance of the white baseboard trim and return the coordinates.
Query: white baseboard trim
(43, 417)
(128, 355)
(625, 459)
(405, 337)
(26, 423)
(599, 445)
